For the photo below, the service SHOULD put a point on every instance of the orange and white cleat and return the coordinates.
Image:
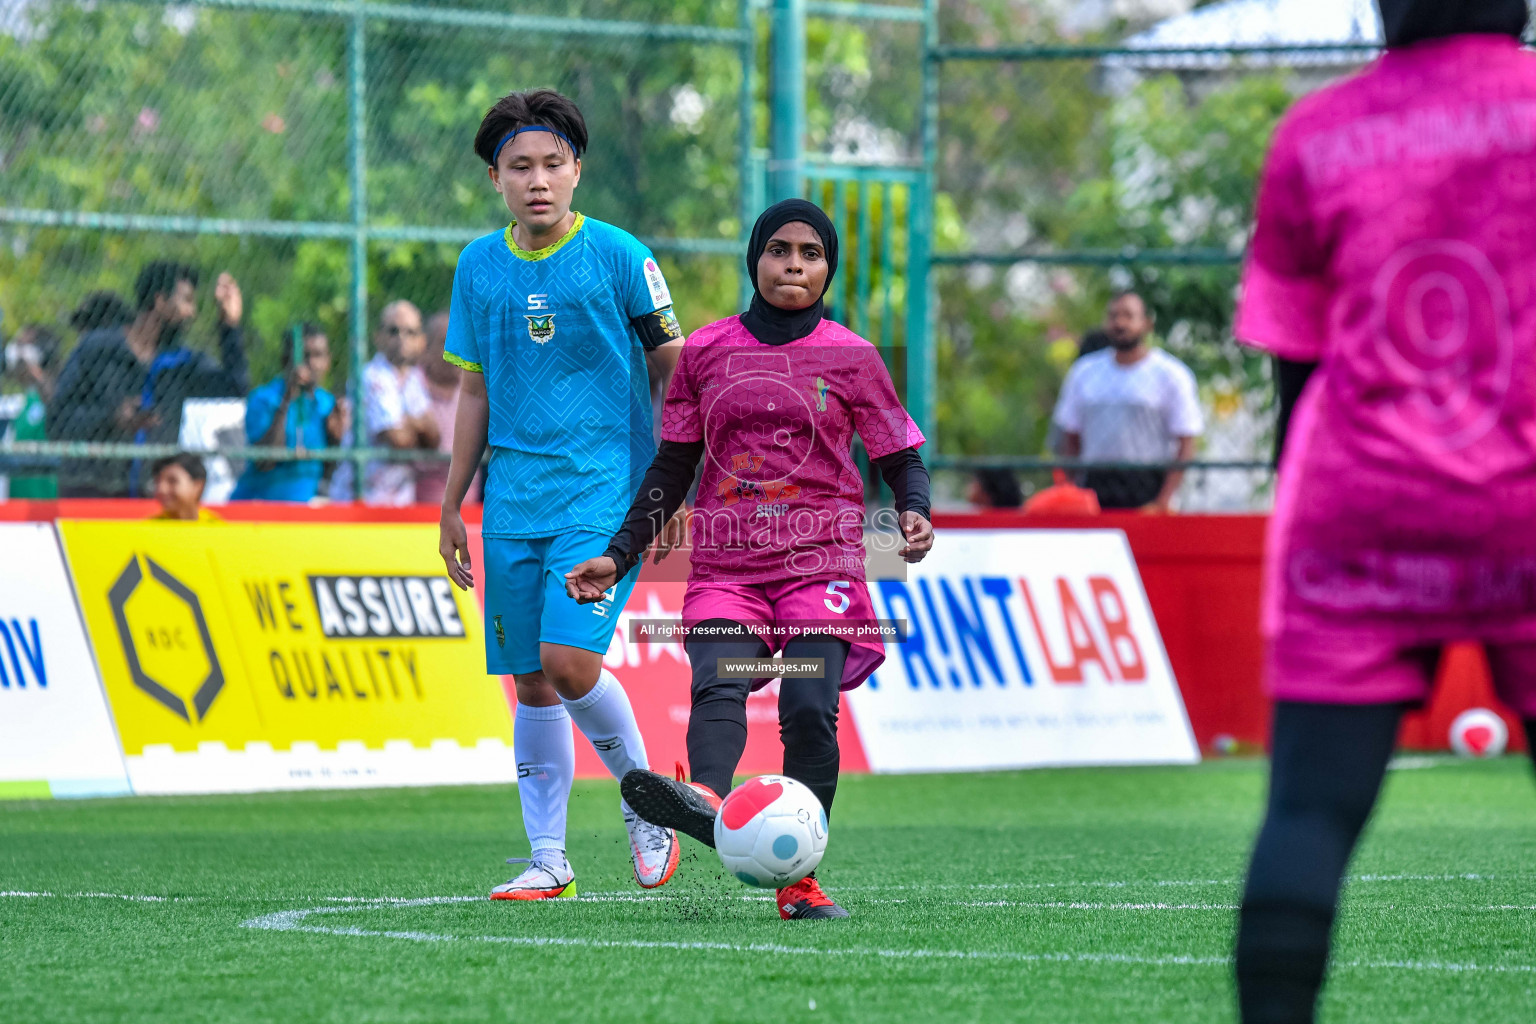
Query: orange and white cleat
(653, 849)
(547, 877)
(805, 901)
(686, 807)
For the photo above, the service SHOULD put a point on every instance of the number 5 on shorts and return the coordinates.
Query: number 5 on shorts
(836, 601)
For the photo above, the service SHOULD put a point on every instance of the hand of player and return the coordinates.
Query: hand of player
(453, 545)
(1157, 507)
(919, 534)
(231, 303)
(673, 535)
(589, 581)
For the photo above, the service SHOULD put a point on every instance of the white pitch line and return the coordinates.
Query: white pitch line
(1152, 883)
(984, 886)
(1100, 906)
(98, 896)
(294, 921)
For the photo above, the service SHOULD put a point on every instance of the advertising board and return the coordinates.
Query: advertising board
(1023, 649)
(277, 656)
(56, 736)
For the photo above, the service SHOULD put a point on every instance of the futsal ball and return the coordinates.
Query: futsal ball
(1476, 732)
(771, 832)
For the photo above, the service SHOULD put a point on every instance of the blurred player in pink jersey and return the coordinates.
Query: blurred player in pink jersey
(770, 401)
(1393, 273)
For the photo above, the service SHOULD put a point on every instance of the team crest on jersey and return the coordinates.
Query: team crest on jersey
(541, 328)
(669, 324)
(821, 395)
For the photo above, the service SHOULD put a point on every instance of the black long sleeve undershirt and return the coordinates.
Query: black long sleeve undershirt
(907, 477)
(665, 486)
(1290, 380)
(672, 471)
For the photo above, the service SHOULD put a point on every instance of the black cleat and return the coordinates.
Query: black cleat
(672, 803)
(805, 901)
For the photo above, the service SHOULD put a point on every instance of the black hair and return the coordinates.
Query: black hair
(543, 107)
(186, 460)
(307, 329)
(159, 277)
(46, 339)
(1001, 487)
(1093, 341)
(101, 309)
(1132, 293)
(1404, 22)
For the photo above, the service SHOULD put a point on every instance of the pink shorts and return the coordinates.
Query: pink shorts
(1371, 667)
(780, 610)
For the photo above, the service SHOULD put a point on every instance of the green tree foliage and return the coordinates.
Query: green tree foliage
(1184, 171)
(142, 108)
(136, 107)
(1056, 163)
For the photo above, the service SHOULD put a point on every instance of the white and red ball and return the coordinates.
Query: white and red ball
(771, 831)
(1479, 732)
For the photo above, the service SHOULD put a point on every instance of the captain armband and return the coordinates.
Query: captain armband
(658, 328)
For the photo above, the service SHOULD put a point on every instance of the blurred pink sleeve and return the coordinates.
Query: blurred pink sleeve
(1283, 305)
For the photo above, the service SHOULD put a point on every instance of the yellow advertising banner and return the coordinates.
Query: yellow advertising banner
(252, 656)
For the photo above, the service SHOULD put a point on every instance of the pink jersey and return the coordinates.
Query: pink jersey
(779, 493)
(1396, 245)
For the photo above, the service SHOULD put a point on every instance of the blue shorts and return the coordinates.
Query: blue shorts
(526, 603)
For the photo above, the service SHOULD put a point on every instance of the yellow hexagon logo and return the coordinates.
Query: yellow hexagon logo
(165, 639)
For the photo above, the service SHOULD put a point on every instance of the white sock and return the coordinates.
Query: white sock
(605, 717)
(546, 763)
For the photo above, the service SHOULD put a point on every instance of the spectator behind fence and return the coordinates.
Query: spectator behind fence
(32, 361)
(1130, 403)
(397, 412)
(178, 481)
(1096, 340)
(293, 411)
(101, 309)
(443, 391)
(127, 383)
(994, 488)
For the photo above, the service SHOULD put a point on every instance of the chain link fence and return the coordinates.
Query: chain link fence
(1086, 148)
(319, 153)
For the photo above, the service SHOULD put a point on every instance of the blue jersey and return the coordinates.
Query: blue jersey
(304, 428)
(565, 371)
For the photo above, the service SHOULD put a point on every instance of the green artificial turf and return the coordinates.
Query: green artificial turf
(1068, 895)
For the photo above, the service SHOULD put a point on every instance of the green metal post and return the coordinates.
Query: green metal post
(887, 336)
(357, 163)
(862, 268)
(921, 326)
(746, 21)
(787, 151)
(838, 306)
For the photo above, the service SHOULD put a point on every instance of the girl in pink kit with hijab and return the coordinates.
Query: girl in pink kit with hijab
(770, 402)
(1393, 273)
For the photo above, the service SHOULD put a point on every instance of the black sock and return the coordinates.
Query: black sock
(717, 722)
(1530, 738)
(1326, 770)
(808, 717)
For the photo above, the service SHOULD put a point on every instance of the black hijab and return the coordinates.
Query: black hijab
(1411, 21)
(769, 324)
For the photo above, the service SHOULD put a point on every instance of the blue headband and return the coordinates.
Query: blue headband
(514, 133)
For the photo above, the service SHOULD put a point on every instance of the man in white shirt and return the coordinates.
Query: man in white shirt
(397, 411)
(1130, 403)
